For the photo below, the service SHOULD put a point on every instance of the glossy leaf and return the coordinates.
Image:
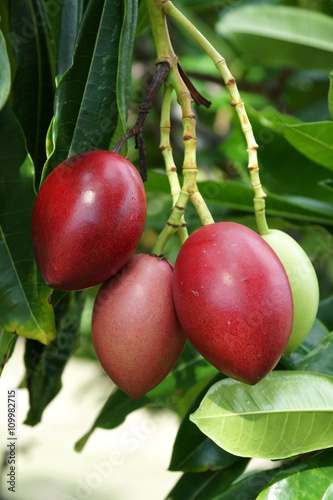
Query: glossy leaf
(309, 349)
(7, 344)
(205, 485)
(313, 478)
(45, 364)
(86, 112)
(314, 140)
(286, 414)
(25, 306)
(4, 72)
(69, 18)
(192, 450)
(33, 85)
(190, 369)
(277, 35)
(248, 487)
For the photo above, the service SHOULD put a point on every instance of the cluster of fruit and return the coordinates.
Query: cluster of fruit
(241, 299)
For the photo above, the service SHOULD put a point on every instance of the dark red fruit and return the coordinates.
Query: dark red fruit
(135, 330)
(233, 300)
(88, 219)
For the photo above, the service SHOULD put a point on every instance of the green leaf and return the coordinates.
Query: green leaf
(325, 312)
(190, 369)
(314, 140)
(248, 487)
(205, 485)
(69, 18)
(239, 196)
(312, 478)
(282, 166)
(330, 94)
(33, 85)
(278, 35)
(86, 112)
(286, 414)
(4, 72)
(25, 308)
(309, 346)
(192, 450)
(7, 344)
(45, 364)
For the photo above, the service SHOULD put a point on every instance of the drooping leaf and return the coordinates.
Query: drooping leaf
(192, 450)
(314, 140)
(45, 364)
(313, 478)
(33, 85)
(69, 18)
(205, 485)
(190, 370)
(25, 308)
(86, 108)
(4, 72)
(7, 344)
(286, 414)
(278, 35)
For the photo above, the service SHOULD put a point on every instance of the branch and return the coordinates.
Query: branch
(162, 71)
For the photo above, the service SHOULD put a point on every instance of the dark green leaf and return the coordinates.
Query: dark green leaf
(69, 18)
(4, 72)
(317, 334)
(239, 196)
(7, 344)
(285, 414)
(313, 478)
(33, 85)
(45, 364)
(314, 140)
(330, 95)
(24, 298)
(189, 371)
(277, 35)
(86, 112)
(249, 487)
(281, 165)
(205, 485)
(325, 312)
(192, 450)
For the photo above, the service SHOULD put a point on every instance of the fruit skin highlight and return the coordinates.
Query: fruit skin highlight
(87, 220)
(303, 281)
(233, 300)
(135, 331)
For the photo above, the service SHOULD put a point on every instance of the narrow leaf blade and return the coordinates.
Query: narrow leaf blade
(25, 307)
(4, 72)
(286, 414)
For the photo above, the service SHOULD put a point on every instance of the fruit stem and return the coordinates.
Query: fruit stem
(237, 103)
(165, 53)
(165, 147)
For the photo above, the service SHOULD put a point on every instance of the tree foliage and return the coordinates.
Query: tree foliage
(72, 77)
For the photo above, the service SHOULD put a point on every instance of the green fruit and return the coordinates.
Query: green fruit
(303, 282)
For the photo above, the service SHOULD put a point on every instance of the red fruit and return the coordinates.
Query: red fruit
(233, 300)
(135, 331)
(88, 219)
